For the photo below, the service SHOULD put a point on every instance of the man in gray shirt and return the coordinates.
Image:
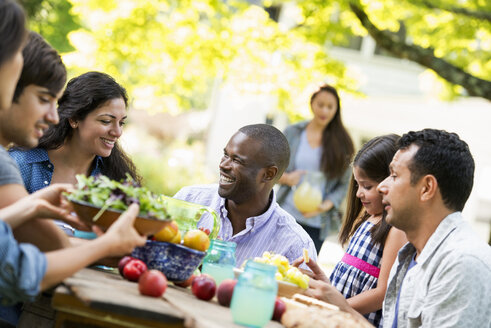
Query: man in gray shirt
(442, 277)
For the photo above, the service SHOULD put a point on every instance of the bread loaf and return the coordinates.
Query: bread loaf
(307, 312)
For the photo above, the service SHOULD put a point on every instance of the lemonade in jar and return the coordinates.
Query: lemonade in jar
(308, 195)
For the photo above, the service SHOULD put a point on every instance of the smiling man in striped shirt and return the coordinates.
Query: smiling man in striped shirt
(253, 161)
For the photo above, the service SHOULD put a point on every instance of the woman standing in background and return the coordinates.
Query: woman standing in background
(319, 145)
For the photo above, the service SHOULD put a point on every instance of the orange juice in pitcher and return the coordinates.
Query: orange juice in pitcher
(308, 195)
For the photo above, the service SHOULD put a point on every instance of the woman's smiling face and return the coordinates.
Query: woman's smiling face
(101, 128)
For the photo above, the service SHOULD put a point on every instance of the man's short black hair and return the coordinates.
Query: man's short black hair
(274, 144)
(42, 67)
(12, 29)
(445, 156)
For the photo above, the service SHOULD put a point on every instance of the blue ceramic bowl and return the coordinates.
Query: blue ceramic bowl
(176, 261)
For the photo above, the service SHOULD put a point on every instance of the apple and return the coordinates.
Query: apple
(134, 269)
(197, 239)
(279, 309)
(225, 291)
(185, 283)
(170, 233)
(152, 283)
(204, 287)
(122, 263)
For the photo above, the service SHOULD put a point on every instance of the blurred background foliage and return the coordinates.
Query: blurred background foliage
(172, 54)
(168, 52)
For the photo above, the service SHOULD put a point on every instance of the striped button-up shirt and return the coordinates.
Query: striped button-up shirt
(275, 230)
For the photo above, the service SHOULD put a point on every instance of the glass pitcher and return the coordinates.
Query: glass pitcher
(308, 194)
(187, 214)
(219, 261)
(254, 295)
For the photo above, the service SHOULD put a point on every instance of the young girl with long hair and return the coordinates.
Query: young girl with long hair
(362, 274)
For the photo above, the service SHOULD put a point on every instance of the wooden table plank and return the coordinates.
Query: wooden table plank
(107, 298)
(110, 294)
(203, 314)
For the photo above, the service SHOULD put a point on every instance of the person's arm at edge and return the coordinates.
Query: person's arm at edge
(47, 202)
(120, 239)
(40, 232)
(371, 300)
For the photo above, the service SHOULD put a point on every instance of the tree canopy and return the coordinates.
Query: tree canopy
(169, 53)
(452, 38)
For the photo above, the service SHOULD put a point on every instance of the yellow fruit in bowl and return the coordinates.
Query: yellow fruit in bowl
(285, 272)
(169, 234)
(197, 239)
(177, 238)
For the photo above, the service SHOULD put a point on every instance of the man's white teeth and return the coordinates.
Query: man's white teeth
(111, 142)
(225, 179)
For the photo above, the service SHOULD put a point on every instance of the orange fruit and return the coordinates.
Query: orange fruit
(197, 239)
(170, 233)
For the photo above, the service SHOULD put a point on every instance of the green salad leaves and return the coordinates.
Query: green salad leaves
(100, 191)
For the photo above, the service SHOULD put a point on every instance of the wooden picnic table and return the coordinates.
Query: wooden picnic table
(93, 298)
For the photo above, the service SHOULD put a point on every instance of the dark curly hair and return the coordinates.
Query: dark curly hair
(274, 144)
(84, 94)
(445, 156)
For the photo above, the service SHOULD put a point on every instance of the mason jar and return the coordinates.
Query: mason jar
(219, 261)
(254, 295)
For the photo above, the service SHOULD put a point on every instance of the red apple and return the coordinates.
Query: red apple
(279, 309)
(204, 287)
(185, 283)
(152, 283)
(122, 263)
(134, 269)
(225, 291)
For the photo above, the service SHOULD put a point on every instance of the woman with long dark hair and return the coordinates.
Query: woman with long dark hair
(92, 112)
(324, 145)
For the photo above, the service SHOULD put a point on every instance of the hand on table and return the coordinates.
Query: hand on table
(326, 292)
(320, 287)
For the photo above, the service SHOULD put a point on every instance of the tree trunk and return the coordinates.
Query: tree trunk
(424, 56)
